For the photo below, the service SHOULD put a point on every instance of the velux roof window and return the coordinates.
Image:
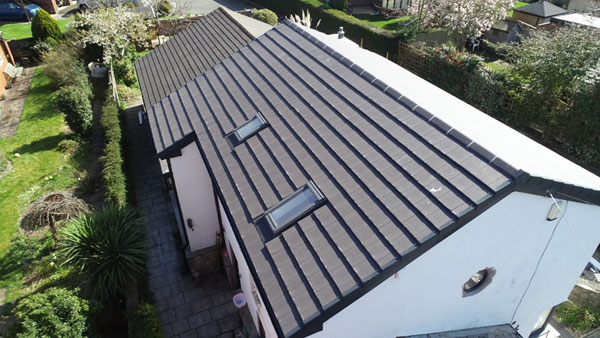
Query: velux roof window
(290, 210)
(246, 130)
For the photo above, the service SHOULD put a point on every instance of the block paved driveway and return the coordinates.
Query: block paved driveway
(186, 308)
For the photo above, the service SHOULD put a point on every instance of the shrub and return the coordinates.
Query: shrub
(75, 104)
(44, 26)
(108, 247)
(164, 8)
(451, 68)
(112, 172)
(143, 322)
(41, 47)
(127, 94)
(583, 319)
(341, 5)
(56, 313)
(266, 16)
(125, 71)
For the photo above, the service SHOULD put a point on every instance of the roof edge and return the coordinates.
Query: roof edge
(221, 9)
(316, 324)
(549, 188)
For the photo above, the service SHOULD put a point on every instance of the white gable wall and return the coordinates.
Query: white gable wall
(426, 296)
(196, 197)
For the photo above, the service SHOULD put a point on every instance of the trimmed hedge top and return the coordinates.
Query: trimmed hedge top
(43, 26)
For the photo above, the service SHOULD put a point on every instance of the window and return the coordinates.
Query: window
(290, 210)
(246, 130)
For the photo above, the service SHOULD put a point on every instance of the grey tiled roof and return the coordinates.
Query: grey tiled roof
(396, 179)
(542, 9)
(498, 331)
(189, 54)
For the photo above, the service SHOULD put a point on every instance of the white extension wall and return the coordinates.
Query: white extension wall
(257, 311)
(196, 197)
(426, 296)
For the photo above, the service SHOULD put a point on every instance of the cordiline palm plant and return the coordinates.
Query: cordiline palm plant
(109, 248)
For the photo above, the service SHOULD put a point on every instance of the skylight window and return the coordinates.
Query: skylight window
(247, 130)
(290, 210)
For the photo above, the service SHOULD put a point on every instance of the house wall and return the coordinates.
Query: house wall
(196, 197)
(426, 296)
(257, 311)
(5, 58)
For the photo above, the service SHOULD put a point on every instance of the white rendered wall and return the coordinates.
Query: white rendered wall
(246, 278)
(426, 296)
(196, 197)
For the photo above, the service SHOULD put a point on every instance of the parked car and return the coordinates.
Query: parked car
(12, 11)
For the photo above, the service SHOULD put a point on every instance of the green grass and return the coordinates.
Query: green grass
(495, 66)
(517, 5)
(381, 21)
(22, 30)
(40, 168)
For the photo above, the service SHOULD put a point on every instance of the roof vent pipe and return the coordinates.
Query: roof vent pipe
(341, 33)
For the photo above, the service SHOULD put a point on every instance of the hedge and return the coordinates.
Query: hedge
(75, 104)
(112, 172)
(143, 322)
(383, 42)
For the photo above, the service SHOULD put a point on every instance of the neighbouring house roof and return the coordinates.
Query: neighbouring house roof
(499, 331)
(578, 19)
(542, 9)
(396, 167)
(504, 25)
(191, 52)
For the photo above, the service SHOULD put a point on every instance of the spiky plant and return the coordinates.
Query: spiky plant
(108, 247)
(304, 20)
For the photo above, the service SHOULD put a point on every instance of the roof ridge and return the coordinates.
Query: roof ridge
(221, 9)
(433, 120)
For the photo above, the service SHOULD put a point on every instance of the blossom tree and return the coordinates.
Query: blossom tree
(114, 29)
(470, 18)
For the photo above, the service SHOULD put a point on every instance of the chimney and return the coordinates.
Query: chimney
(341, 33)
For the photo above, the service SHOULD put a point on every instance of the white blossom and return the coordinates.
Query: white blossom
(112, 28)
(467, 17)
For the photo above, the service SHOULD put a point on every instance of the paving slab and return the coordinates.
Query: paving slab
(187, 308)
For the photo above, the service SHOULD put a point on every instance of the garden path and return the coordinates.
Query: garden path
(186, 308)
(11, 107)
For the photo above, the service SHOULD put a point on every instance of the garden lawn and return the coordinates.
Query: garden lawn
(41, 167)
(22, 30)
(517, 5)
(381, 21)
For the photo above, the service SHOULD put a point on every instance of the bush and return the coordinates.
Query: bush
(341, 5)
(75, 104)
(164, 8)
(42, 47)
(109, 248)
(266, 16)
(125, 71)
(451, 68)
(112, 172)
(127, 94)
(56, 313)
(68, 145)
(143, 322)
(582, 319)
(44, 26)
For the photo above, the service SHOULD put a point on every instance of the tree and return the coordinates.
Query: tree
(550, 66)
(114, 29)
(467, 17)
(43, 26)
(109, 248)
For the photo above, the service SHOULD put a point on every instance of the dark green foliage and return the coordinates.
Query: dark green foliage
(75, 104)
(581, 318)
(341, 5)
(68, 145)
(23, 250)
(56, 313)
(143, 322)
(112, 172)
(124, 69)
(43, 26)
(452, 68)
(266, 16)
(383, 42)
(108, 247)
(164, 8)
